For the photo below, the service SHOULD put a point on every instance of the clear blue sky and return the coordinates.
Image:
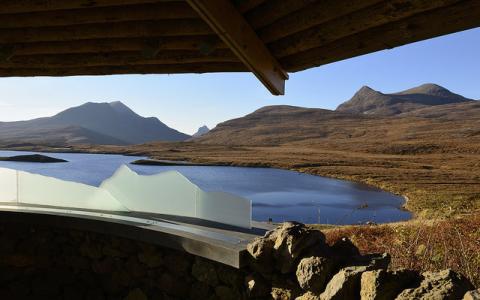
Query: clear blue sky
(187, 101)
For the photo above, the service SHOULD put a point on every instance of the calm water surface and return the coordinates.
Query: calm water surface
(278, 194)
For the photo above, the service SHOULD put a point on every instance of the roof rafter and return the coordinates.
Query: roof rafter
(234, 30)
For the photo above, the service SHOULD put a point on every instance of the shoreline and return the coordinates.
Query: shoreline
(149, 160)
(450, 186)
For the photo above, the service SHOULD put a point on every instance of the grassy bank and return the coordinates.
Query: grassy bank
(422, 245)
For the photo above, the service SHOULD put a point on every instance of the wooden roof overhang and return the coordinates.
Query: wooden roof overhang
(267, 37)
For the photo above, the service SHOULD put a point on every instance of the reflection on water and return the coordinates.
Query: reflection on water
(278, 194)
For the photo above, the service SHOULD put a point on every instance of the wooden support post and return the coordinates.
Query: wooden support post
(234, 30)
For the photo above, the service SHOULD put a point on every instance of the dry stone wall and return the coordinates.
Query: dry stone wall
(50, 263)
(297, 263)
(291, 262)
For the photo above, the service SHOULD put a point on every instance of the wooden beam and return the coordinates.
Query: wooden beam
(134, 29)
(109, 45)
(445, 20)
(232, 28)
(139, 69)
(118, 59)
(97, 15)
(317, 13)
(358, 21)
(270, 11)
(26, 6)
(244, 6)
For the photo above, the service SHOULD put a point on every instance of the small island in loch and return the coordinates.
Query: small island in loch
(35, 158)
(162, 162)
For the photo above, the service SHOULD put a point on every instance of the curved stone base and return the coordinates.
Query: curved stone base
(47, 261)
(41, 262)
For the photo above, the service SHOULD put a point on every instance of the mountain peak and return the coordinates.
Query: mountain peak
(368, 101)
(431, 86)
(201, 131)
(428, 89)
(121, 108)
(116, 120)
(365, 88)
(117, 103)
(363, 101)
(366, 91)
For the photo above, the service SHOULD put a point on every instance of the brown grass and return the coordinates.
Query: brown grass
(422, 245)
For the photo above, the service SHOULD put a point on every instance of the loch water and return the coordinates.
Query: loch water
(279, 195)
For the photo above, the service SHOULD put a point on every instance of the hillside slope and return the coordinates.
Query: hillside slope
(421, 120)
(279, 124)
(53, 135)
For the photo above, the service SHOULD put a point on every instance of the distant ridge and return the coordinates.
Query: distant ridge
(366, 117)
(372, 102)
(201, 131)
(276, 124)
(91, 123)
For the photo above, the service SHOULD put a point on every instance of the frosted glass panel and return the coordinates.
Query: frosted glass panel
(165, 193)
(224, 208)
(8, 185)
(173, 194)
(168, 193)
(43, 190)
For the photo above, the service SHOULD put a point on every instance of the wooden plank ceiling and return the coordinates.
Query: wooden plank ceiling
(103, 37)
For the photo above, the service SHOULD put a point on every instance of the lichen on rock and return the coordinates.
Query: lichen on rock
(313, 272)
(445, 285)
(472, 295)
(383, 285)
